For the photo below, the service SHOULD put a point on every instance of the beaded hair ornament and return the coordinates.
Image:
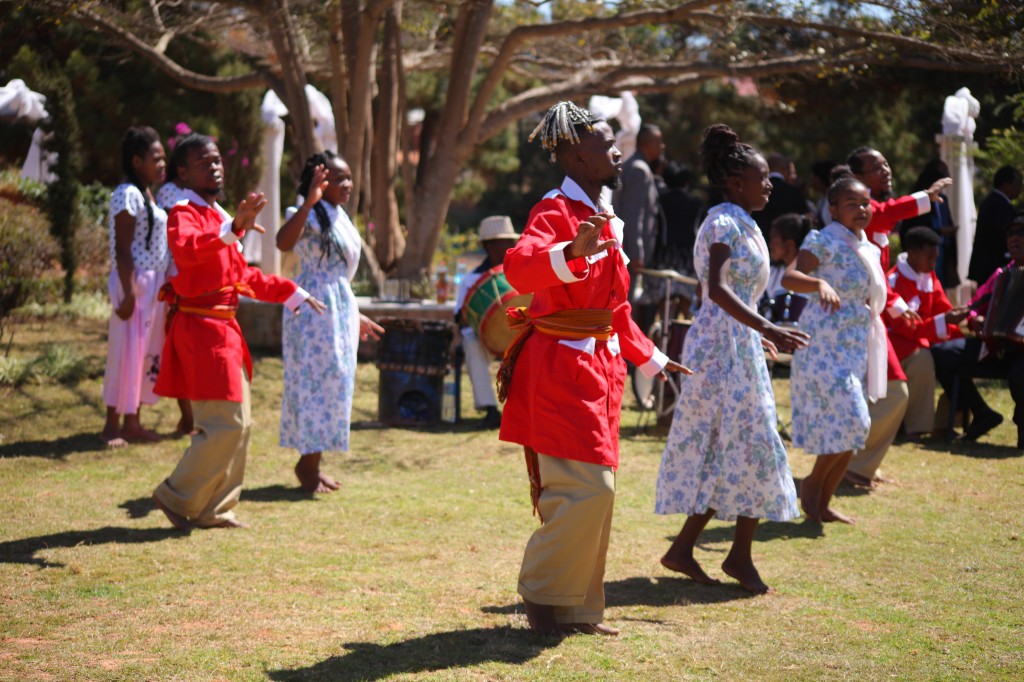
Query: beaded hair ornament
(560, 124)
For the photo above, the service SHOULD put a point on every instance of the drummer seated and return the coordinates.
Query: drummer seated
(784, 239)
(913, 278)
(964, 358)
(496, 237)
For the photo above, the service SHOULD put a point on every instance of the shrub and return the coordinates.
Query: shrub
(26, 251)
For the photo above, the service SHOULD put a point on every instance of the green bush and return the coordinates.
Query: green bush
(26, 251)
(57, 363)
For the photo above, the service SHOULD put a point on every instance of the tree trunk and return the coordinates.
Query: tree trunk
(283, 34)
(383, 161)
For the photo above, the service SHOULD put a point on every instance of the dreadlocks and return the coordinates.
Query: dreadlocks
(561, 124)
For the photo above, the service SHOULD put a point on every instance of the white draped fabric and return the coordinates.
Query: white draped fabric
(956, 149)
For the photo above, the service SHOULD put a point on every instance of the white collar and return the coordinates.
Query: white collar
(923, 280)
(571, 189)
(736, 212)
(192, 196)
(1002, 194)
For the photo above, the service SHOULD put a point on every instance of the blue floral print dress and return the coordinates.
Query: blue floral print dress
(723, 450)
(319, 351)
(827, 382)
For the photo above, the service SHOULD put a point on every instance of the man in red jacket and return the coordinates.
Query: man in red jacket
(913, 278)
(564, 375)
(205, 358)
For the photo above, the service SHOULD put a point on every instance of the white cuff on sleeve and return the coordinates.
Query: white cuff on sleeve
(296, 299)
(560, 266)
(655, 364)
(941, 330)
(924, 204)
(898, 307)
(226, 234)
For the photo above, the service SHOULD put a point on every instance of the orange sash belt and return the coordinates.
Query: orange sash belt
(201, 305)
(578, 323)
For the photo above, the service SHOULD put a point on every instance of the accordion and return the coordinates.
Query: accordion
(1005, 319)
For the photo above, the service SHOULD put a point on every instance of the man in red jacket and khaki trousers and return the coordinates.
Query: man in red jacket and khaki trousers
(564, 375)
(205, 359)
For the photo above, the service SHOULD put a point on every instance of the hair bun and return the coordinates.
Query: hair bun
(839, 172)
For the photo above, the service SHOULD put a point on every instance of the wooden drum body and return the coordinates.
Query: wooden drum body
(484, 309)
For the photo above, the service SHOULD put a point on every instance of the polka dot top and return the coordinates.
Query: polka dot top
(169, 195)
(127, 197)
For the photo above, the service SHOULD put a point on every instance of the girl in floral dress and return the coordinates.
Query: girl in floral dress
(724, 457)
(320, 354)
(139, 259)
(845, 363)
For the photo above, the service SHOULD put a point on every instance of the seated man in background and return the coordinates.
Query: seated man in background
(496, 237)
(914, 279)
(996, 357)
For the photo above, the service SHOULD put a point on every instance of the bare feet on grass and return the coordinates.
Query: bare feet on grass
(831, 515)
(689, 567)
(311, 478)
(229, 524)
(541, 618)
(177, 520)
(588, 629)
(747, 576)
(184, 428)
(136, 434)
(113, 439)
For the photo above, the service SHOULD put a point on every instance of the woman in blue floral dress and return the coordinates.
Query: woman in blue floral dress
(319, 351)
(845, 363)
(724, 457)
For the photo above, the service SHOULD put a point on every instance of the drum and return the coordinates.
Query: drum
(413, 357)
(1005, 319)
(484, 309)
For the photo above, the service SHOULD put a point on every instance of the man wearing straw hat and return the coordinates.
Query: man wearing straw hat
(563, 376)
(496, 236)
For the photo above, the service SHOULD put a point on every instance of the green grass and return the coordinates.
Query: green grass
(409, 571)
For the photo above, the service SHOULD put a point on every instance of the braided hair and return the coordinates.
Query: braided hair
(563, 123)
(723, 155)
(137, 141)
(329, 242)
(842, 179)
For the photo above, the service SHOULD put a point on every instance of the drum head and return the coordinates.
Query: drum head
(494, 331)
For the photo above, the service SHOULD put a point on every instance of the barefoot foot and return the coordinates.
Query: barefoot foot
(747, 575)
(541, 617)
(830, 515)
(185, 427)
(176, 519)
(689, 567)
(113, 441)
(328, 482)
(589, 629)
(139, 435)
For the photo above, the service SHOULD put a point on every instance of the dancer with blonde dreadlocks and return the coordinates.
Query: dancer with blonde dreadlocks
(564, 383)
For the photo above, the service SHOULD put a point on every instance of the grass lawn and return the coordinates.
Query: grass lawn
(409, 571)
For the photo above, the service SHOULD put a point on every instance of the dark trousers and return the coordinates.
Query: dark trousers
(960, 358)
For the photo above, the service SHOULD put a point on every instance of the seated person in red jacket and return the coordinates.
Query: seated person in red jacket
(205, 358)
(913, 278)
(966, 357)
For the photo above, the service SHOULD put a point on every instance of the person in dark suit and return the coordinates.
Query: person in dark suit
(786, 197)
(636, 203)
(994, 215)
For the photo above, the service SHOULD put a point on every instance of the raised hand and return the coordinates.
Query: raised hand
(588, 238)
(369, 329)
(317, 186)
(937, 188)
(245, 217)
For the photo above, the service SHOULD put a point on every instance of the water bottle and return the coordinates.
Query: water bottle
(460, 274)
(448, 397)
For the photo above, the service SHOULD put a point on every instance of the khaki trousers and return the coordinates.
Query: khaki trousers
(478, 366)
(886, 416)
(206, 484)
(565, 558)
(920, 370)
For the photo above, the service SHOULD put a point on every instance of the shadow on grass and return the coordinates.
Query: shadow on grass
(973, 450)
(24, 551)
(433, 653)
(58, 448)
(141, 507)
(766, 532)
(652, 591)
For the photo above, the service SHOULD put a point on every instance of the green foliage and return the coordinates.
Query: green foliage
(21, 190)
(26, 252)
(1005, 147)
(239, 135)
(57, 363)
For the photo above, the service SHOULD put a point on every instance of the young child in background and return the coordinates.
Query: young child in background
(913, 277)
(724, 457)
(845, 364)
(139, 260)
(319, 351)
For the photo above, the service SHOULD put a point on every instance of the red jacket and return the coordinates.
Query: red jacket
(923, 294)
(888, 213)
(203, 356)
(566, 396)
